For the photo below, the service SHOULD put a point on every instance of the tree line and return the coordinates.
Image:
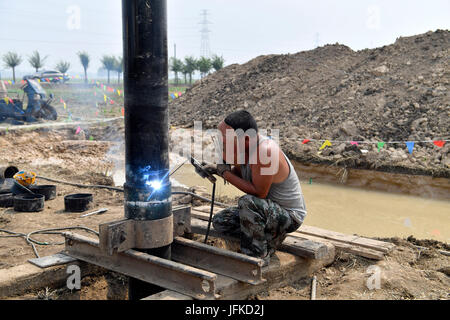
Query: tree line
(190, 65)
(109, 62)
(187, 67)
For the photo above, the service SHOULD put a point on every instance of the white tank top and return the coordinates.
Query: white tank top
(288, 194)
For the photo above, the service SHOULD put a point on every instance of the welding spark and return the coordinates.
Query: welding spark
(155, 184)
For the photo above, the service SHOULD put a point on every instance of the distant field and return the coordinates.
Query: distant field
(83, 102)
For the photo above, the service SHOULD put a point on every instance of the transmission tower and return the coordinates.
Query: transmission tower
(317, 39)
(205, 50)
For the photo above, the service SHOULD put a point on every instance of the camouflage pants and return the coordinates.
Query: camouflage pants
(261, 224)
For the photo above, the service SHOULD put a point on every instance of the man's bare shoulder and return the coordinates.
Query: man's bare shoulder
(266, 150)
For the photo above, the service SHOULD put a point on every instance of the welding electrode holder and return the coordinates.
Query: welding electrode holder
(206, 175)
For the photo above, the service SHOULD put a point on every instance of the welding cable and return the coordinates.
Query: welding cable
(81, 185)
(54, 231)
(18, 235)
(32, 241)
(121, 190)
(211, 212)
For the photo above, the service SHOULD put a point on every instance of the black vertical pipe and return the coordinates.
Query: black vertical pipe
(145, 59)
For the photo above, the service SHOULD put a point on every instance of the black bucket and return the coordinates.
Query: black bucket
(6, 200)
(8, 172)
(49, 191)
(29, 203)
(78, 202)
(19, 189)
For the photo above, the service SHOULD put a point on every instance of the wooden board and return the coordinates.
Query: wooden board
(350, 239)
(298, 247)
(362, 246)
(356, 250)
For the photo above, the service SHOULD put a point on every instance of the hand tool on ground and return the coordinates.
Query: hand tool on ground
(99, 211)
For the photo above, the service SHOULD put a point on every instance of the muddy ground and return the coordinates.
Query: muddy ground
(406, 273)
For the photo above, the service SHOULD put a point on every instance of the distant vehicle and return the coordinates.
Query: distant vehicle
(51, 75)
(39, 105)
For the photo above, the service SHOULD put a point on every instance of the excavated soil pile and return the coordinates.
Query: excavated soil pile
(397, 92)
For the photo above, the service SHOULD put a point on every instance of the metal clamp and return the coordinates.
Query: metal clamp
(127, 234)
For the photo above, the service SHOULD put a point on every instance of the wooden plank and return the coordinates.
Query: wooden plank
(323, 233)
(346, 247)
(298, 247)
(351, 239)
(207, 209)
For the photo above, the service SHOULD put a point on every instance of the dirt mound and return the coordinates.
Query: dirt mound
(393, 93)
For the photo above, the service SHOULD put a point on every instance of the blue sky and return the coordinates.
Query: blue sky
(240, 30)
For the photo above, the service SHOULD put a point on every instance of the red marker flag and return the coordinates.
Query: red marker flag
(439, 143)
(305, 141)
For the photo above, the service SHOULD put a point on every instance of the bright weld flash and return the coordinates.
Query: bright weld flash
(155, 184)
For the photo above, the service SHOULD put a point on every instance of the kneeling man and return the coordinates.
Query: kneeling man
(273, 205)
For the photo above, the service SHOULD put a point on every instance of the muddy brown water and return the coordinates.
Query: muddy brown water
(359, 207)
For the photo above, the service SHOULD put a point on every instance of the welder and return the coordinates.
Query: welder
(273, 205)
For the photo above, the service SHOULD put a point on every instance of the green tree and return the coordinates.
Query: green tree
(84, 59)
(185, 72)
(109, 63)
(63, 66)
(217, 62)
(12, 60)
(176, 65)
(190, 63)
(204, 66)
(36, 61)
(119, 68)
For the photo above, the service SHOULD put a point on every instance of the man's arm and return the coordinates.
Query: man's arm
(237, 171)
(260, 184)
